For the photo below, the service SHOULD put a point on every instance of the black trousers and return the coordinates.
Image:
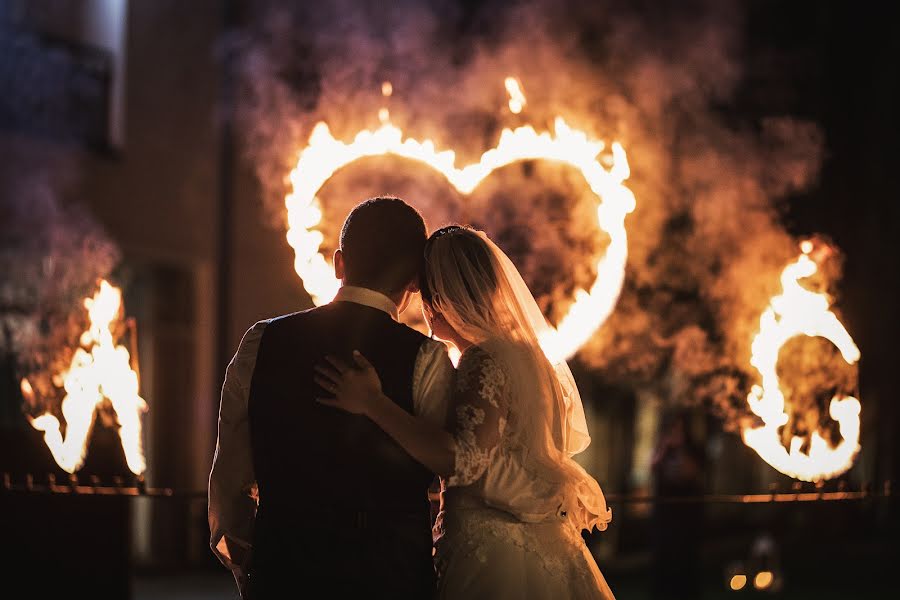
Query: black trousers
(331, 554)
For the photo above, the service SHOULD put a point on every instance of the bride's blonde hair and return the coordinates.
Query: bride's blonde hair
(463, 279)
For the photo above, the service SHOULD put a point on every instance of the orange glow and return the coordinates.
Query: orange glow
(763, 580)
(516, 97)
(27, 390)
(798, 311)
(387, 89)
(99, 369)
(738, 582)
(324, 155)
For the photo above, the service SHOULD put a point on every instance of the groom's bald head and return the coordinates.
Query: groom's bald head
(382, 242)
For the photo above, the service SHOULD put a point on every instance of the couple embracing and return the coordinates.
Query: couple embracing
(334, 422)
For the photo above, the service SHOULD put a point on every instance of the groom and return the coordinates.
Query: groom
(303, 497)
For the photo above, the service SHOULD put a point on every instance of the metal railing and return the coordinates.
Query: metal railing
(135, 487)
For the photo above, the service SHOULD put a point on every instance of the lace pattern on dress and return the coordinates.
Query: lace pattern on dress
(480, 413)
(479, 533)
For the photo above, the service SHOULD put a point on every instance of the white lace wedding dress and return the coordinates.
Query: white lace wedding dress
(506, 530)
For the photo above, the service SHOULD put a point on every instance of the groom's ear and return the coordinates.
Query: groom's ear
(339, 264)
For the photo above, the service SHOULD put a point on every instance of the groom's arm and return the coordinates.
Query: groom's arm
(232, 481)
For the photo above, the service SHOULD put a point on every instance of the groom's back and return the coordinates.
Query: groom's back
(328, 479)
(308, 453)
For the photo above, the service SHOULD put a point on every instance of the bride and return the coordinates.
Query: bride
(513, 501)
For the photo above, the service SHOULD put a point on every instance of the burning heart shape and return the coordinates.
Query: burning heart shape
(324, 155)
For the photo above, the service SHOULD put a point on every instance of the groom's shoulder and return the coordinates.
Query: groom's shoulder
(325, 315)
(289, 319)
(272, 323)
(300, 314)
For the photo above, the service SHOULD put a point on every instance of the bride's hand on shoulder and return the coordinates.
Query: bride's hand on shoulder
(356, 389)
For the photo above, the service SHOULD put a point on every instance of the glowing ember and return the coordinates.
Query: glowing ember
(99, 369)
(516, 97)
(798, 311)
(324, 155)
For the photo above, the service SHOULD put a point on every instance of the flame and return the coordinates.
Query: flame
(324, 155)
(99, 369)
(27, 390)
(516, 97)
(798, 311)
(387, 89)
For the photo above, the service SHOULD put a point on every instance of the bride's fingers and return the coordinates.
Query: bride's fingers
(328, 402)
(339, 365)
(361, 360)
(325, 384)
(330, 374)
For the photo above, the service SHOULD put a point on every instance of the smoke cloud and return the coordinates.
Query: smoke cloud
(52, 253)
(706, 244)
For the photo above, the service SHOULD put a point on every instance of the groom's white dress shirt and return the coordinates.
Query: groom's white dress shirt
(232, 481)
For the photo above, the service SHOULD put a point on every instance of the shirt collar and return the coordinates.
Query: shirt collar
(367, 297)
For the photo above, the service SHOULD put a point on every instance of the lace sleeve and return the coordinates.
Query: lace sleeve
(480, 406)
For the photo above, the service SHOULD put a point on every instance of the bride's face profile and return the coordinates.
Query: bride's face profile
(438, 324)
(458, 287)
